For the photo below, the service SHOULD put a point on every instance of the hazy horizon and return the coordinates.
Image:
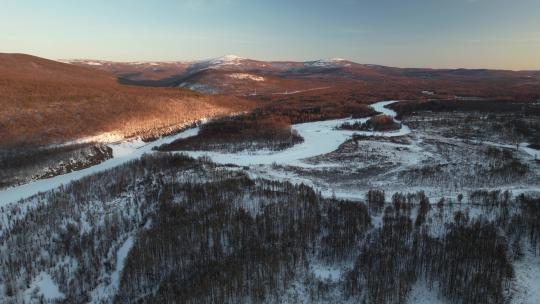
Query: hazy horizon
(491, 34)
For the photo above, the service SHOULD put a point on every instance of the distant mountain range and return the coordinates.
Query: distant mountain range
(44, 101)
(236, 75)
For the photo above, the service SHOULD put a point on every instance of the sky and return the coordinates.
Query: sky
(498, 34)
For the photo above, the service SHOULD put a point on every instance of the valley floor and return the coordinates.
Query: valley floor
(101, 236)
(347, 164)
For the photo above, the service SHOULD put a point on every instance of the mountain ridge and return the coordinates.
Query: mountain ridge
(48, 102)
(346, 78)
(232, 58)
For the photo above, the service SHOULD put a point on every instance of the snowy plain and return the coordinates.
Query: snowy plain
(44, 285)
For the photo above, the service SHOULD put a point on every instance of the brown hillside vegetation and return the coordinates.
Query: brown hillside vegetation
(343, 80)
(254, 131)
(44, 102)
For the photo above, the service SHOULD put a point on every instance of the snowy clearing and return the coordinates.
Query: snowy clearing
(527, 279)
(300, 91)
(104, 291)
(421, 293)
(43, 285)
(244, 76)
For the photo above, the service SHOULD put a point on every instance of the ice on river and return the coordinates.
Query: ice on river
(320, 137)
(122, 153)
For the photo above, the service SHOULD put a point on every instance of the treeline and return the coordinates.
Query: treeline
(486, 167)
(252, 131)
(469, 261)
(315, 106)
(507, 121)
(406, 108)
(379, 123)
(468, 264)
(23, 164)
(210, 249)
(203, 252)
(74, 232)
(204, 233)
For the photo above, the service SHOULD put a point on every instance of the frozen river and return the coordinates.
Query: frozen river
(319, 138)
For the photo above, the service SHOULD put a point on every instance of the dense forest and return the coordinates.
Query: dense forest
(251, 132)
(19, 166)
(203, 233)
(497, 167)
(314, 108)
(406, 108)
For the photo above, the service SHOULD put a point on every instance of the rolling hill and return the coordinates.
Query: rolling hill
(46, 102)
(329, 78)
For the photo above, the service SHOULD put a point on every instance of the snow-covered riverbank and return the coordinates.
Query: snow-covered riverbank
(319, 138)
(122, 153)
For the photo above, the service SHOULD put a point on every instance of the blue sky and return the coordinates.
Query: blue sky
(405, 33)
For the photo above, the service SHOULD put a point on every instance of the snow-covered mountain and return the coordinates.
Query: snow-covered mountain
(224, 62)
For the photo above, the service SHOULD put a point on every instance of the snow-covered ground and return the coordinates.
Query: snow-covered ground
(320, 137)
(524, 147)
(421, 293)
(43, 285)
(199, 87)
(106, 138)
(226, 60)
(300, 91)
(244, 76)
(329, 273)
(122, 153)
(103, 292)
(527, 278)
